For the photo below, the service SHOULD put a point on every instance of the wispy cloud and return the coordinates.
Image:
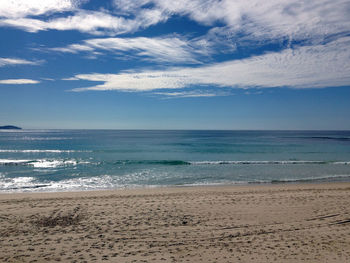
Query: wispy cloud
(240, 19)
(192, 94)
(275, 19)
(320, 28)
(173, 49)
(17, 61)
(259, 20)
(92, 22)
(305, 67)
(18, 81)
(48, 79)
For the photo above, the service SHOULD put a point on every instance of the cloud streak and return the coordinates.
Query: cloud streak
(191, 94)
(316, 34)
(247, 19)
(18, 81)
(92, 22)
(305, 67)
(255, 19)
(172, 49)
(17, 61)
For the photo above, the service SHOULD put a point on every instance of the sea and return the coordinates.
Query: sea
(77, 160)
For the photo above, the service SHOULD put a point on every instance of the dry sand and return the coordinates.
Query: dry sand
(275, 223)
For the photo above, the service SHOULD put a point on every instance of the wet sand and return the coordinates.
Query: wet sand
(264, 223)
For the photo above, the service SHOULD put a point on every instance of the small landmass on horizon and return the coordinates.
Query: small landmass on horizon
(10, 127)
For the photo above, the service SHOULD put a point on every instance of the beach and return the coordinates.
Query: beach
(248, 223)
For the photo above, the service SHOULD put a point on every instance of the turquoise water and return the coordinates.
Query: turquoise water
(70, 160)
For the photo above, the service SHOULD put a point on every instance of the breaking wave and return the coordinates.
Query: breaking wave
(104, 182)
(42, 163)
(51, 163)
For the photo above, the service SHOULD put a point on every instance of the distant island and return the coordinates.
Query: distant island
(10, 127)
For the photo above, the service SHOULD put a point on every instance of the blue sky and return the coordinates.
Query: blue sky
(167, 64)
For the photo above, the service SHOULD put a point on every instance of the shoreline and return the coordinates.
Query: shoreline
(147, 188)
(245, 223)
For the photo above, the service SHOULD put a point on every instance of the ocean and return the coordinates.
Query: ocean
(75, 160)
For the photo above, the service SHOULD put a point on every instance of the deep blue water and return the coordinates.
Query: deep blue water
(69, 160)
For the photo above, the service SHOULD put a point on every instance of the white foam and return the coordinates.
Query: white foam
(84, 183)
(52, 163)
(28, 184)
(43, 163)
(97, 182)
(21, 180)
(16, 183)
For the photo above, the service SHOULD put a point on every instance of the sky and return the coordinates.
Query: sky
(175, 64)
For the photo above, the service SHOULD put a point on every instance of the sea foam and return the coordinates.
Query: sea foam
(43, 163)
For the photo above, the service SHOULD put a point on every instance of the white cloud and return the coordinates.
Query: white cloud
(305, 67)
(18, 81)
(322, 27)
(172, 49)
(71, 78)
(257, 20)
(27, 24)
(267, 19)
(241, 19)
(191, 94)
(92, 22)
(17, 61)
(23, 8)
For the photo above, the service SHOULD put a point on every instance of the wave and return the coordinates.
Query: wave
(52, 163)
(266, 162)
(152, 162)
(26, 138)
(13, 162)
(30, 184)
(321, 138)
(326, 178)
(103, 182)
(312, 179)
(40, 151)
(20, 184)
(331, 138)
(42, 163)
(180, 162)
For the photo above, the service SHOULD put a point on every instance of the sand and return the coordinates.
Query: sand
(264, 223)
